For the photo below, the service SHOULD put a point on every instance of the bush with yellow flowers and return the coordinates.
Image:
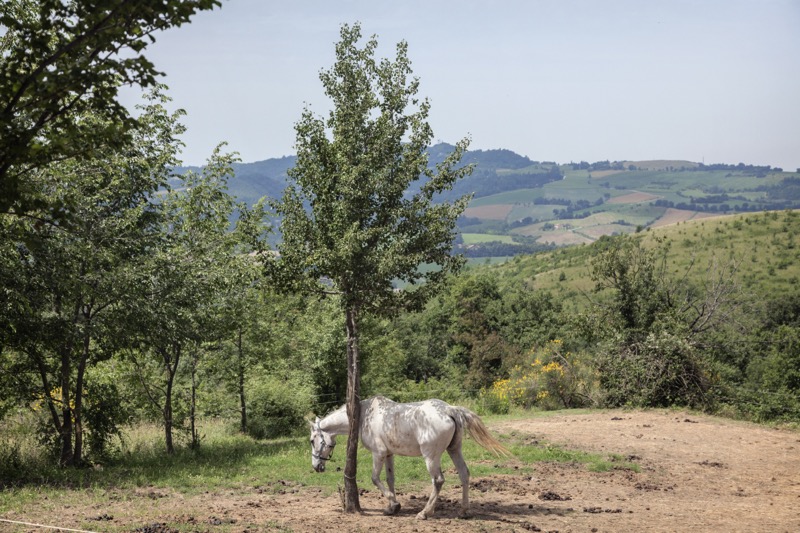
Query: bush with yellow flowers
(550, 378)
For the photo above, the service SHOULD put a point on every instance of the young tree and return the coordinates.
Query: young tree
(61, 61)
(73, 278)
(350, 224)
(180, 289)
(243, 304)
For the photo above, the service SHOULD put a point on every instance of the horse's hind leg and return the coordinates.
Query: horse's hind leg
(394, 506)
(463, 475)
(434, 464)
(377, 465)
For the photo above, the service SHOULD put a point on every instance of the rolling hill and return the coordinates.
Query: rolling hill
(523, 206)
(761, 251)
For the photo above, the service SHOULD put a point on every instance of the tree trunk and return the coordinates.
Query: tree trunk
(242, 402)
(46, 391)
(67, 452)
(193, 404)
(168, 418)
(171, 366)
(78, 413)
(351, 502)
(78, 429)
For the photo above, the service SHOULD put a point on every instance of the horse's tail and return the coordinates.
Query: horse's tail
(478, 431)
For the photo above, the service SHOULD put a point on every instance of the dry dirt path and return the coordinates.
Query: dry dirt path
(698, 473)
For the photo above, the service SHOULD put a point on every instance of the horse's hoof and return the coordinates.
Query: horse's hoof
(422, 516)
(392, 509)
(464, 515)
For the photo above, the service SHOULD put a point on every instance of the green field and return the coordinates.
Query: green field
(475, 238)
(510, 197)
(580, 211)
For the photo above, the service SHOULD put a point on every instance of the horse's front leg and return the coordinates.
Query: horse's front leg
(394, 506)
(377, 466)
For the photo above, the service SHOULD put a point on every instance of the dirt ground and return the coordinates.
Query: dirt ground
(698, 473)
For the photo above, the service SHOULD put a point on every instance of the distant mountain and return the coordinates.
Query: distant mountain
(254, 180)
(262, 178)
(495, 171)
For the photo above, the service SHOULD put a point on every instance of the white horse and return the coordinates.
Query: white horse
(411, 429)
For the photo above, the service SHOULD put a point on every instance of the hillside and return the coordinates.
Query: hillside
(494, 171)
(622, 198)
(523, 206)
(762, 247)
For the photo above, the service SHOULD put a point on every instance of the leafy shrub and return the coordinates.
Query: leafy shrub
(661, 370)
(11, 464)
(278, 407)
(496, 399)
(773, 378)
(104, 412)
(760, 405)
(444, 389)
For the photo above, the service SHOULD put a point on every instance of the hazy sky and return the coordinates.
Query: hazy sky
(560, 80)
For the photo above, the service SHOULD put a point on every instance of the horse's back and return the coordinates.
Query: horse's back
(410, 429)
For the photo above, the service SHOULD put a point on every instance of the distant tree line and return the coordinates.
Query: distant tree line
(787, 190)
(760, 171)
(464, 221)
(705, 205)
(572, 208)
(601, 165)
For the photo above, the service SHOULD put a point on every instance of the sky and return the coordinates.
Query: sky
(714, 81)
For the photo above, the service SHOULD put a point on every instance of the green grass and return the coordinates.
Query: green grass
(228, 460)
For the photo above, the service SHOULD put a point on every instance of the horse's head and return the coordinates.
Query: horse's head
(322, 444)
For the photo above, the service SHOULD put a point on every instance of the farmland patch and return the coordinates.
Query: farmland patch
(489, 212)
(564, 238)
(673, 216)
(598, 174)
(633, 198)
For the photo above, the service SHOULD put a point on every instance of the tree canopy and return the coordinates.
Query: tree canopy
(61, 62)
